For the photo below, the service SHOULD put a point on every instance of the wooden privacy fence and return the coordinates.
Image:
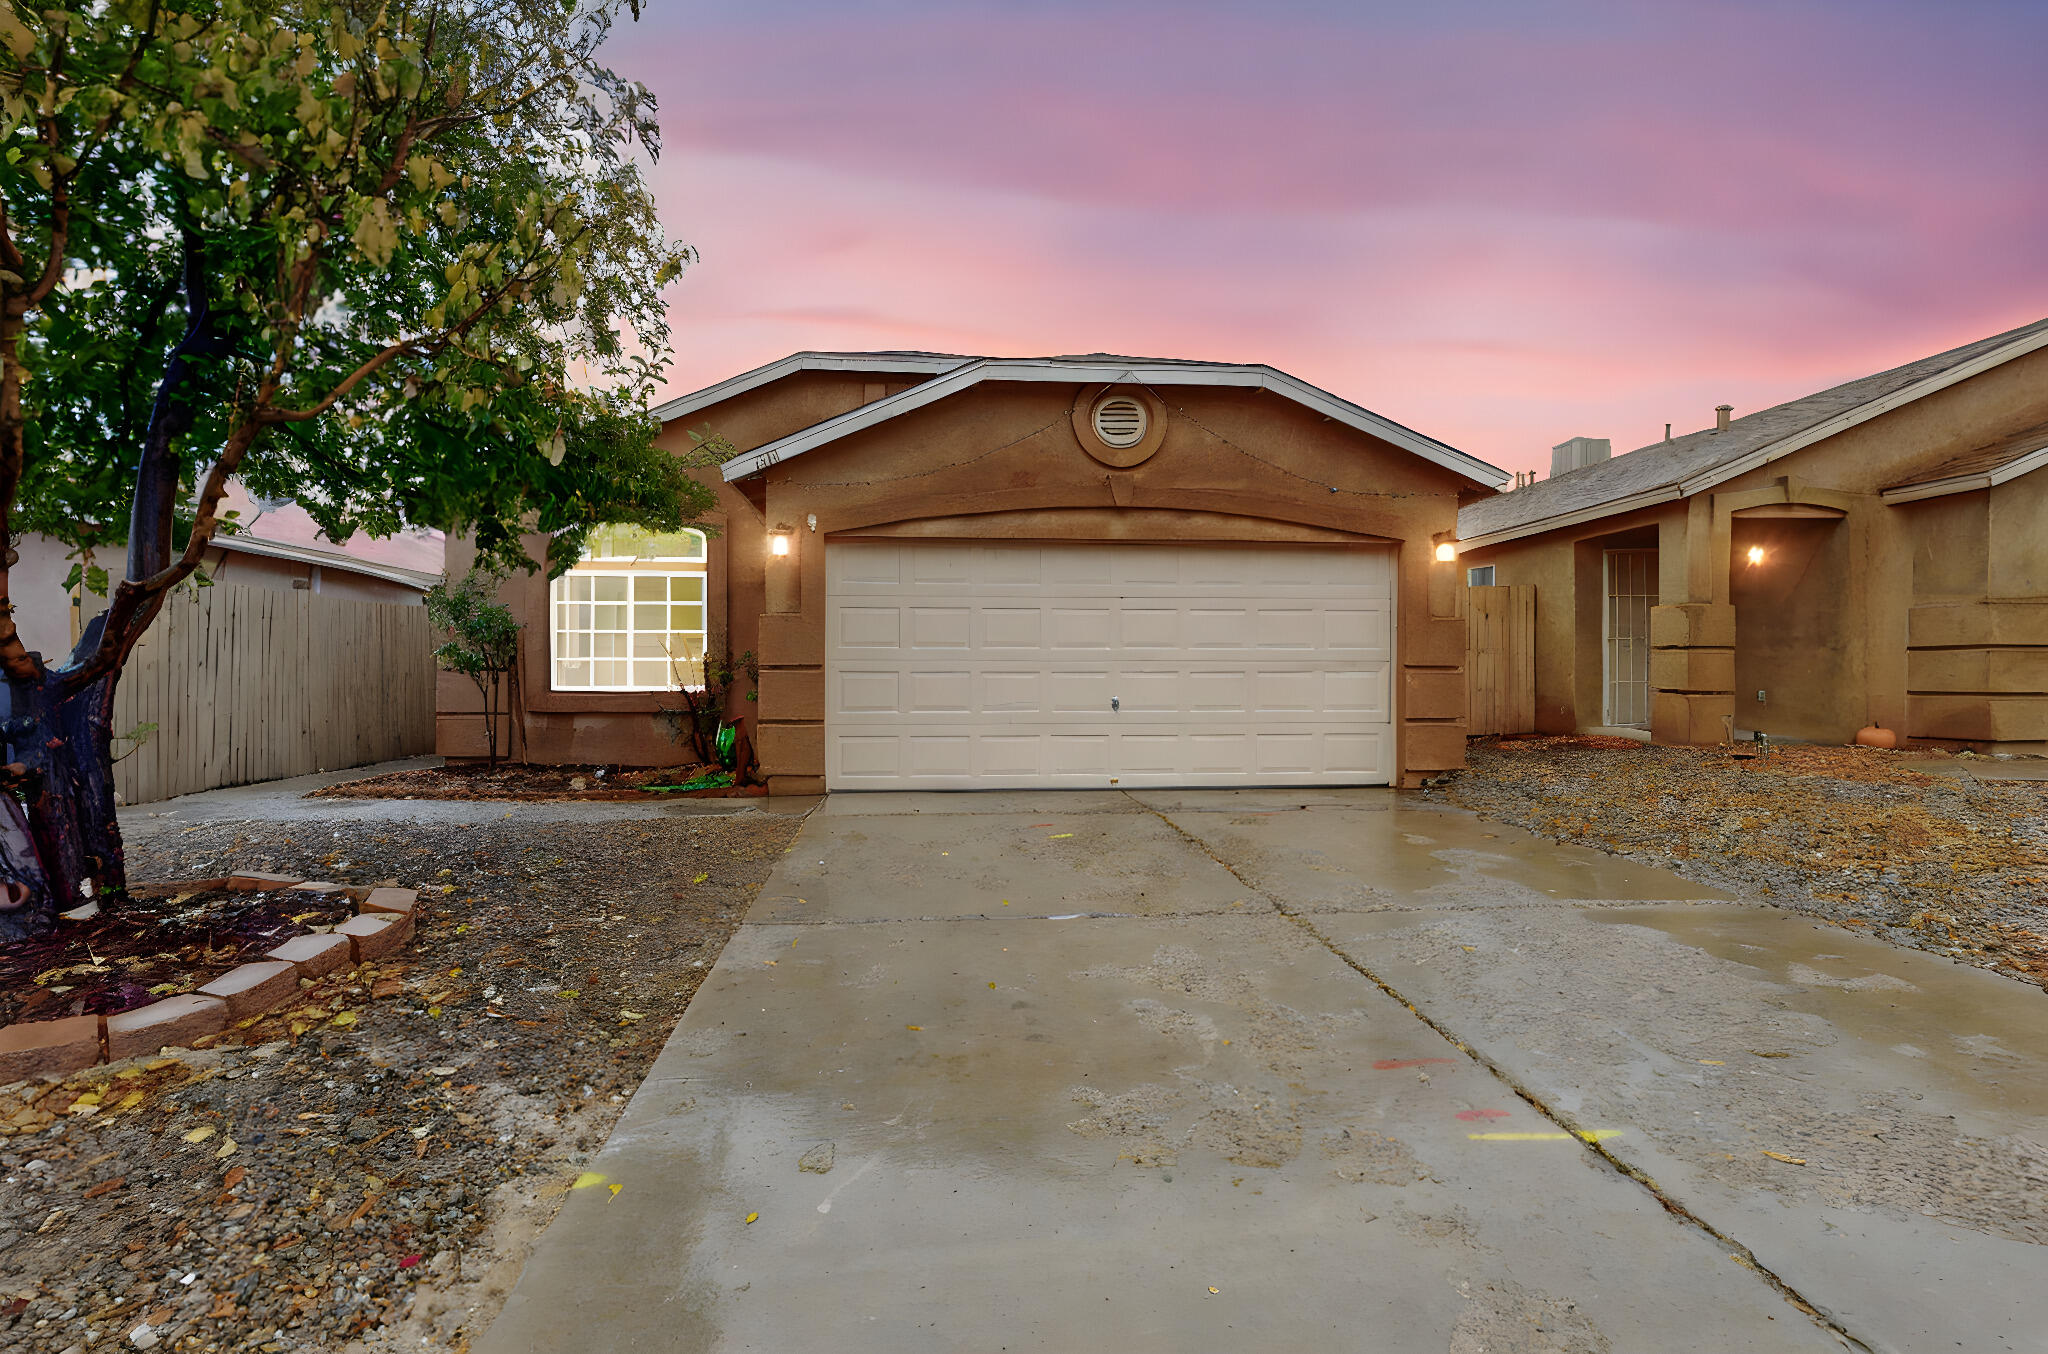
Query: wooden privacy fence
(1500, 659)
(248, 684)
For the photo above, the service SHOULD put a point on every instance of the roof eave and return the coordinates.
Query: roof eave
(975, 371)
(299, 554)
(919, 364)
(1647, 498)
(1963, 484)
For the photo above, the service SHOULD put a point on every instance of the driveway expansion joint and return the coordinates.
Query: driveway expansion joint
(1738, 1251)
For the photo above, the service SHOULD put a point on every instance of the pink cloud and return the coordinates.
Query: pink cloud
(1498, 234)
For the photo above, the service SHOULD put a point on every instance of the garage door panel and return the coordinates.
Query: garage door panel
(947, 756)
(1150, 628)
(994, 665)
(1353, 754)
(941, 627)
(1012, 692)
(1082, 692)
(1358, 628)
(1356, 693)
(1219, 692)
(1079, 754)
(863, 692)
(948, 692)
(1215, 627)
(1298, 628)
(869, 627)
(1285, 754)
(1287, 692)
(1072, 628)
(1146, 693)
(1012, 627)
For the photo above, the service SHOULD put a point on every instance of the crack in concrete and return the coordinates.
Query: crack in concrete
(1738, 1252)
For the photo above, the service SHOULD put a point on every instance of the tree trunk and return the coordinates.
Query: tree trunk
(59, 745)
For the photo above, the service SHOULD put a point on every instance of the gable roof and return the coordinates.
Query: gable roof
(888, 363)
(1686, 465)
(1994, 463)
(1101, 369)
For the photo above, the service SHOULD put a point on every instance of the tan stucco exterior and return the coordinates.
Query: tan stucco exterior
(1927, 617)
(1007, 461)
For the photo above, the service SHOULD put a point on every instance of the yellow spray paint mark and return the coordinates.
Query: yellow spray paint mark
(1712, 1062)
(1059, 836)
(1589, 1135)
(587, 1179)
(918, 1028)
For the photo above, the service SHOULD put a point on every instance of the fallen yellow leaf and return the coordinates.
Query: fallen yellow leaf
(346, 1018)
(227, 1149)
(1780, 1156)
(200, 1134)
(914, 1027)
(700, 879)
(751, 1217)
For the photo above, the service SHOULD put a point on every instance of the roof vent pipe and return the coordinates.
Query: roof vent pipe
(1721, 413)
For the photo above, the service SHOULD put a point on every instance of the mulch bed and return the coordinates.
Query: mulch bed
(1856, 836)
(535, 783)
(141, 948)
(366, 1169)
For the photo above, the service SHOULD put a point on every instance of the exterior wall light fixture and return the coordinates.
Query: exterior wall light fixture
(778, 544)
(1756, 555)
(1446, 551)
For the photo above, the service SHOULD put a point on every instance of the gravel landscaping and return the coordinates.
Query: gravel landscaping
(366, 1169)
(1908, 846)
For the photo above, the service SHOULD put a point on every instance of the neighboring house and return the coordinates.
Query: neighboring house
(278, 547)
(980, 572)
(1873, 553)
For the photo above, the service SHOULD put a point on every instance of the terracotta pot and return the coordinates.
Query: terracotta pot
(1874, 737)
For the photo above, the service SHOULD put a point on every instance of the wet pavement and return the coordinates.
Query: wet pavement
(1282, 1070)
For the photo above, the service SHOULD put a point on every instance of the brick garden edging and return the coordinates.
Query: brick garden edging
(382, 924)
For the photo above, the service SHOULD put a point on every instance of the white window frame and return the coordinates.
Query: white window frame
(1472, 579)
(629, 568)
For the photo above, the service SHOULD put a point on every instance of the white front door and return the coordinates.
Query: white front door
(963, 666)
(1631, 592)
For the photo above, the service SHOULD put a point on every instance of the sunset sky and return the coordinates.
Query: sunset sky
(1503, 224)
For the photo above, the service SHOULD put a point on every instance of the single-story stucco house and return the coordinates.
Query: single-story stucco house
(968, 572)
(1876, 553)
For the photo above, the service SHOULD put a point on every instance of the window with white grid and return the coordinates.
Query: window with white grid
(631, 616)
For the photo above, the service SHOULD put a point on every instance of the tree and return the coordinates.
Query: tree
(483, 643)
(395, 258)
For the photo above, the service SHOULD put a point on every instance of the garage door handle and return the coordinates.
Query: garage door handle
(1115, 704)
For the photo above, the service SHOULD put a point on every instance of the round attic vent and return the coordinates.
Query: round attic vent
(1120, 421)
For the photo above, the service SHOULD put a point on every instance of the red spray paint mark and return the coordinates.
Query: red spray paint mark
(1469, 1115)
(1392, 1064)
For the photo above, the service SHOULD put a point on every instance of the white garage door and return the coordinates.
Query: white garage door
(954, 666)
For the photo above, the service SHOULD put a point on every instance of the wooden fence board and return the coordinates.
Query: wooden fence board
(248, 683)
(1500, 659)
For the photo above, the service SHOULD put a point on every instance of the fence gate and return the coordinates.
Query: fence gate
(1500, 659)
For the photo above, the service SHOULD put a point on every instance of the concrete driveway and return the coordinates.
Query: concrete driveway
(1289, 1070)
